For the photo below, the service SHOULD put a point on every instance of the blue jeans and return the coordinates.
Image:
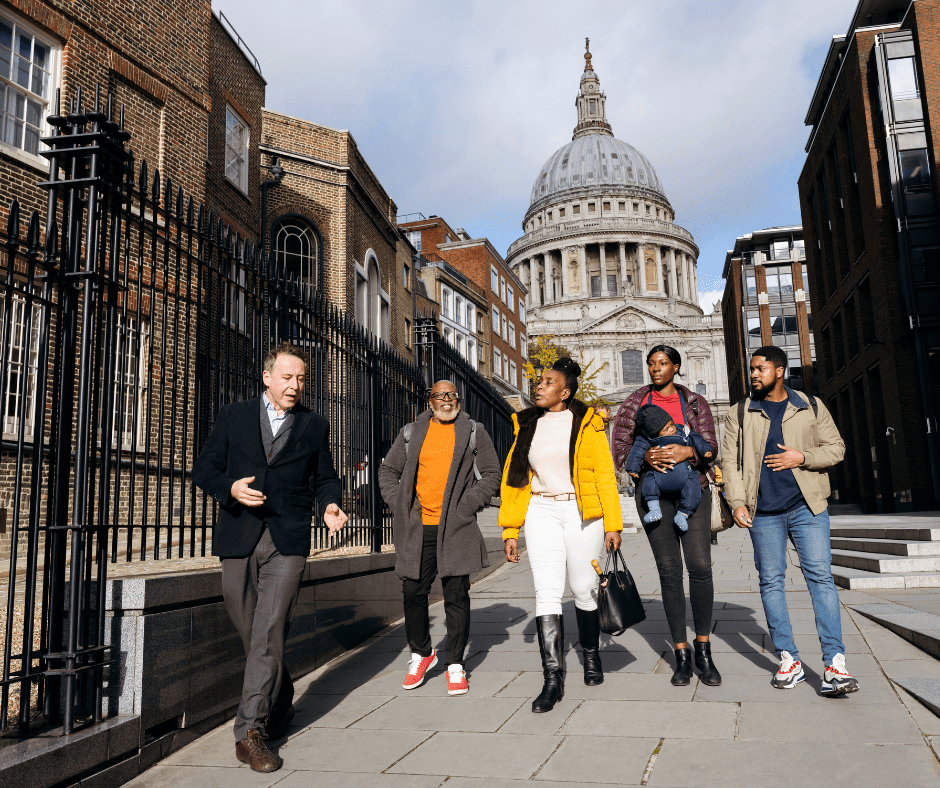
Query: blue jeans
(810, 536)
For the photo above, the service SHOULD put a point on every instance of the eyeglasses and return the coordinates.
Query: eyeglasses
(447, 396)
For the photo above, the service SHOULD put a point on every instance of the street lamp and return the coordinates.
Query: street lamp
(278, 172)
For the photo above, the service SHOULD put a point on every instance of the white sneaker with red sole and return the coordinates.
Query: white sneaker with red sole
(457, 680)
(417, 670)
(789, 674)
(836, 680)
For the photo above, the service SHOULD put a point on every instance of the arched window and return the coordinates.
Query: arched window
(372, 302)
(297, 250)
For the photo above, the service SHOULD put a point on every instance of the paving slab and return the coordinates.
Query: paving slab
(165, 776)
(333, 711)
(925, 719)
(616, 686)
(581, 759)
(478, 755)
(839, 720)
(653, 718)
(735, 689)
(303, 779)
(450, 713)
(743, 764)
(349, 749)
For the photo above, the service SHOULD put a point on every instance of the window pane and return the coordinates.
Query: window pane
(751, 286)
(915, 169)
(632, 362)
(903, 79)
(790, 326)
(6, 44)
(595, 286)
(781, 250)
(786, 284)
(612, 284)
(773, 284)
(21, 71)
(776, 325)
(753, 332)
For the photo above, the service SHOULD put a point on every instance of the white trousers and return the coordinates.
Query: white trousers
(560, 544)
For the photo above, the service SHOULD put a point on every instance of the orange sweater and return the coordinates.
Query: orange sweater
(437, 453)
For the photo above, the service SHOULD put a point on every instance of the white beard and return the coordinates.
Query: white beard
(445, 417)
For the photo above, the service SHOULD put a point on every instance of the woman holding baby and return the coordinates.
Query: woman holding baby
(670, 417)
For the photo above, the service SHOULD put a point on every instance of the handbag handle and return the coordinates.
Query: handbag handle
(614, 554)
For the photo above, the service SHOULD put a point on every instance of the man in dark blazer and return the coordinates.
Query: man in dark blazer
(265, 462)
(429, 480)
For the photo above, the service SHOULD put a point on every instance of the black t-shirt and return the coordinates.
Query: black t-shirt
(778, 491)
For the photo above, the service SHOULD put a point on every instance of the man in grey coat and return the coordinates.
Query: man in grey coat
(429, 480)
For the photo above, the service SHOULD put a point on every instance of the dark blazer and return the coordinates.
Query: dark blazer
(299, 474)
(460, 546)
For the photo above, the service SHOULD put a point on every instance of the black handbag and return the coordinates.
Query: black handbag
(618, 601)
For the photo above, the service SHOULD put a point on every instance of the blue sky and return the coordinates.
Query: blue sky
(456, 106)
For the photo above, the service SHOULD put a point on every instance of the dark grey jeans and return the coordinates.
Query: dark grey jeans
(260, 591)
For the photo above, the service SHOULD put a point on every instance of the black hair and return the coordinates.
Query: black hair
(571, 370)
(773, 354)
(670, 352)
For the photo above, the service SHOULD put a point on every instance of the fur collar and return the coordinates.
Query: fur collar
(518, 475)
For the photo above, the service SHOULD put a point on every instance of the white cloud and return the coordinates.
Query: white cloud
(457, 106)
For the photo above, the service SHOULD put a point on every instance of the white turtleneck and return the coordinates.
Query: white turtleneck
(548, 454)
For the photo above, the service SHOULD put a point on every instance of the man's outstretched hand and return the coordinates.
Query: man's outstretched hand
(242, 493)
(334, 517)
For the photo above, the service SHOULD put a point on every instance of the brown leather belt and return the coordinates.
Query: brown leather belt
(558, 497)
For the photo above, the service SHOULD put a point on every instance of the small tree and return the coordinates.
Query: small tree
(545, 352)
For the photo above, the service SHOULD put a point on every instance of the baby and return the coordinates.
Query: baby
(655, 427)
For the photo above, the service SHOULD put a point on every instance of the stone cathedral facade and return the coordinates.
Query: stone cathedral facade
(610, 274)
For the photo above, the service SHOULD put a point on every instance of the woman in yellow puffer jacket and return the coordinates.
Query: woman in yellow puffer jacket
(559, 482)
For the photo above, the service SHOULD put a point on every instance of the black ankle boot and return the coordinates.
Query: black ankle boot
(683, 674)
(703, 661)
(551, 643)
(589, 633)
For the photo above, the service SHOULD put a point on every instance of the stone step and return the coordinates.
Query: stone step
(861, 580)
(841, 509)
(912, 533)
(881, 563)
(915, 626)
(886, 546)
(927, 691)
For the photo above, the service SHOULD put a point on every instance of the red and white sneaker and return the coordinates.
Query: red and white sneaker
(790, 672)
(837, 680)
(457, 680)
(417, 669)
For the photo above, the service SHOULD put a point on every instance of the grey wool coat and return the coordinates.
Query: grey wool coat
(460, 546)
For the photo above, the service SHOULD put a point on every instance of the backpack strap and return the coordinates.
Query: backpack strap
(406, 433)
(473, 447)
(742, 406)
(814, 405)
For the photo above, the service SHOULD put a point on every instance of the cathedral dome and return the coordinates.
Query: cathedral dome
(594, 161)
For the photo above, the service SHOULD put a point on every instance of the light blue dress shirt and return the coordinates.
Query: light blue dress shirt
(276, 421)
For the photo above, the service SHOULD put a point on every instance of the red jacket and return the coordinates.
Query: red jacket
(702, 422)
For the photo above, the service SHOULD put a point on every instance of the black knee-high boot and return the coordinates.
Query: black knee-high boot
(552, 644)
(589, 633)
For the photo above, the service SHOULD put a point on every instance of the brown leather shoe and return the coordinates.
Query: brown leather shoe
(275, 724)
(253, 751)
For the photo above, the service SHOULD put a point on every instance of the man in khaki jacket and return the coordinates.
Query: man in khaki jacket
(776, 452)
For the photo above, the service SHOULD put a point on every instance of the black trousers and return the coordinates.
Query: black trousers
(668, 544)
(456, 605)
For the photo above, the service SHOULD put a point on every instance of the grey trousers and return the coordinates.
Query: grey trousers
(260, 591)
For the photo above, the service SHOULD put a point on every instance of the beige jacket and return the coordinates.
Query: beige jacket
(817, 437)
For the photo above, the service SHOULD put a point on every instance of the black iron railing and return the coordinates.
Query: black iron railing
(128, 320)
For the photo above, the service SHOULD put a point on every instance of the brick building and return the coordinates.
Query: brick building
(868, 195)
(766, 303)
(333, 224)
(499, 320)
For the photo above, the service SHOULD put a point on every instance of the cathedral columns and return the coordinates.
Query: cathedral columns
(550, 295)
(673, 280)
(602, 252)
(582, 264)
(641, 267)
(623, 266)
(694, 281)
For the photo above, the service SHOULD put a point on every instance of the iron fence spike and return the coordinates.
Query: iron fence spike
(202, 216)
(143, 179)
(13, 222)
(32, 236)
(189, 213)
(179, 203)
(155, 188)
(168, 195)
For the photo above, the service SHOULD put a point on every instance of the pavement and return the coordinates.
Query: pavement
(356, 726)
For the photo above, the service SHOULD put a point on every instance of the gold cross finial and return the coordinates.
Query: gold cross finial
(587, 53)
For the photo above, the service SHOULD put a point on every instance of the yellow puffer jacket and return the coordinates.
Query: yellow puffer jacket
(591, 460)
